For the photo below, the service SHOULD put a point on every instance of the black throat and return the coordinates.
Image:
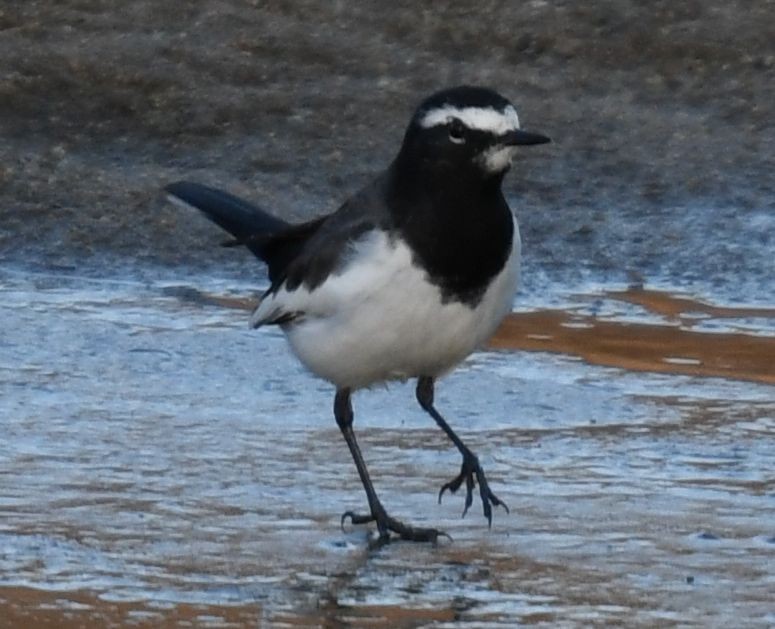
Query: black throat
(458, 225)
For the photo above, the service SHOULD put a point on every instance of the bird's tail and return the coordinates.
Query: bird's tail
(269, 238)
(250, 225)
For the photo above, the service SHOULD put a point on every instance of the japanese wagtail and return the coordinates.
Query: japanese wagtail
(406, 279)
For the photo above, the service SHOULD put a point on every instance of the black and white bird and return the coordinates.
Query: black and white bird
(406, 279)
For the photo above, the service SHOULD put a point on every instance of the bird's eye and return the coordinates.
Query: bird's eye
(457, 131)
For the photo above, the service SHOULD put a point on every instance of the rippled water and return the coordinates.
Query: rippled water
(157, 453)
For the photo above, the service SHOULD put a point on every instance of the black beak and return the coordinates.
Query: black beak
(523, 138)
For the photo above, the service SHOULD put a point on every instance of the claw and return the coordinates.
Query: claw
(385, 524)
(355, 519)
(469, 494)
(452, 486)
(468, 470)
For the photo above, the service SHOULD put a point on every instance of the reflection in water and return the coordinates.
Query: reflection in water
(160, 462)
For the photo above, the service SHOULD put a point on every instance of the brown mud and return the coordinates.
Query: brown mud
(662, 121)
(670, 347)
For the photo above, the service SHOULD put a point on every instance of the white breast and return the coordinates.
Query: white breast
(381, 319)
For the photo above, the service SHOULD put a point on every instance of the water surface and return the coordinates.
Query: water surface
(161, 463)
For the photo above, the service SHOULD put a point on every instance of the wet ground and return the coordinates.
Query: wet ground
(162, 465)
(662, 119)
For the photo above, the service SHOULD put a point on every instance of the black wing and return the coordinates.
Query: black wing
(303, 254)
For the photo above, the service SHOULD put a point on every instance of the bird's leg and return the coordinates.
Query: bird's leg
(343, 411)
(470, 472)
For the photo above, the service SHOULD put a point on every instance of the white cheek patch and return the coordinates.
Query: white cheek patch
(497, 158)
(480, 118)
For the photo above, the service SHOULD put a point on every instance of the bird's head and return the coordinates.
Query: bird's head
(466, 131)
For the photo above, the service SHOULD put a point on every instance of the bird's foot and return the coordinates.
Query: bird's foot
(386, 525)
(472, 473)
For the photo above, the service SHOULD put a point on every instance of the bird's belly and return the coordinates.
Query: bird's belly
(398, 327)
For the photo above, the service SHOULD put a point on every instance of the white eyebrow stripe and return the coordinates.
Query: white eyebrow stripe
(480, 118)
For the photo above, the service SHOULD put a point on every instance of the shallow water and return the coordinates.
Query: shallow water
(161, 463)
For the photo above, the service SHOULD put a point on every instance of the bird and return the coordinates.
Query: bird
(407, 278)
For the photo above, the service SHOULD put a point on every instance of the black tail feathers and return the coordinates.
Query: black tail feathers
(269, 238)
(249, 224)
(236, 216)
